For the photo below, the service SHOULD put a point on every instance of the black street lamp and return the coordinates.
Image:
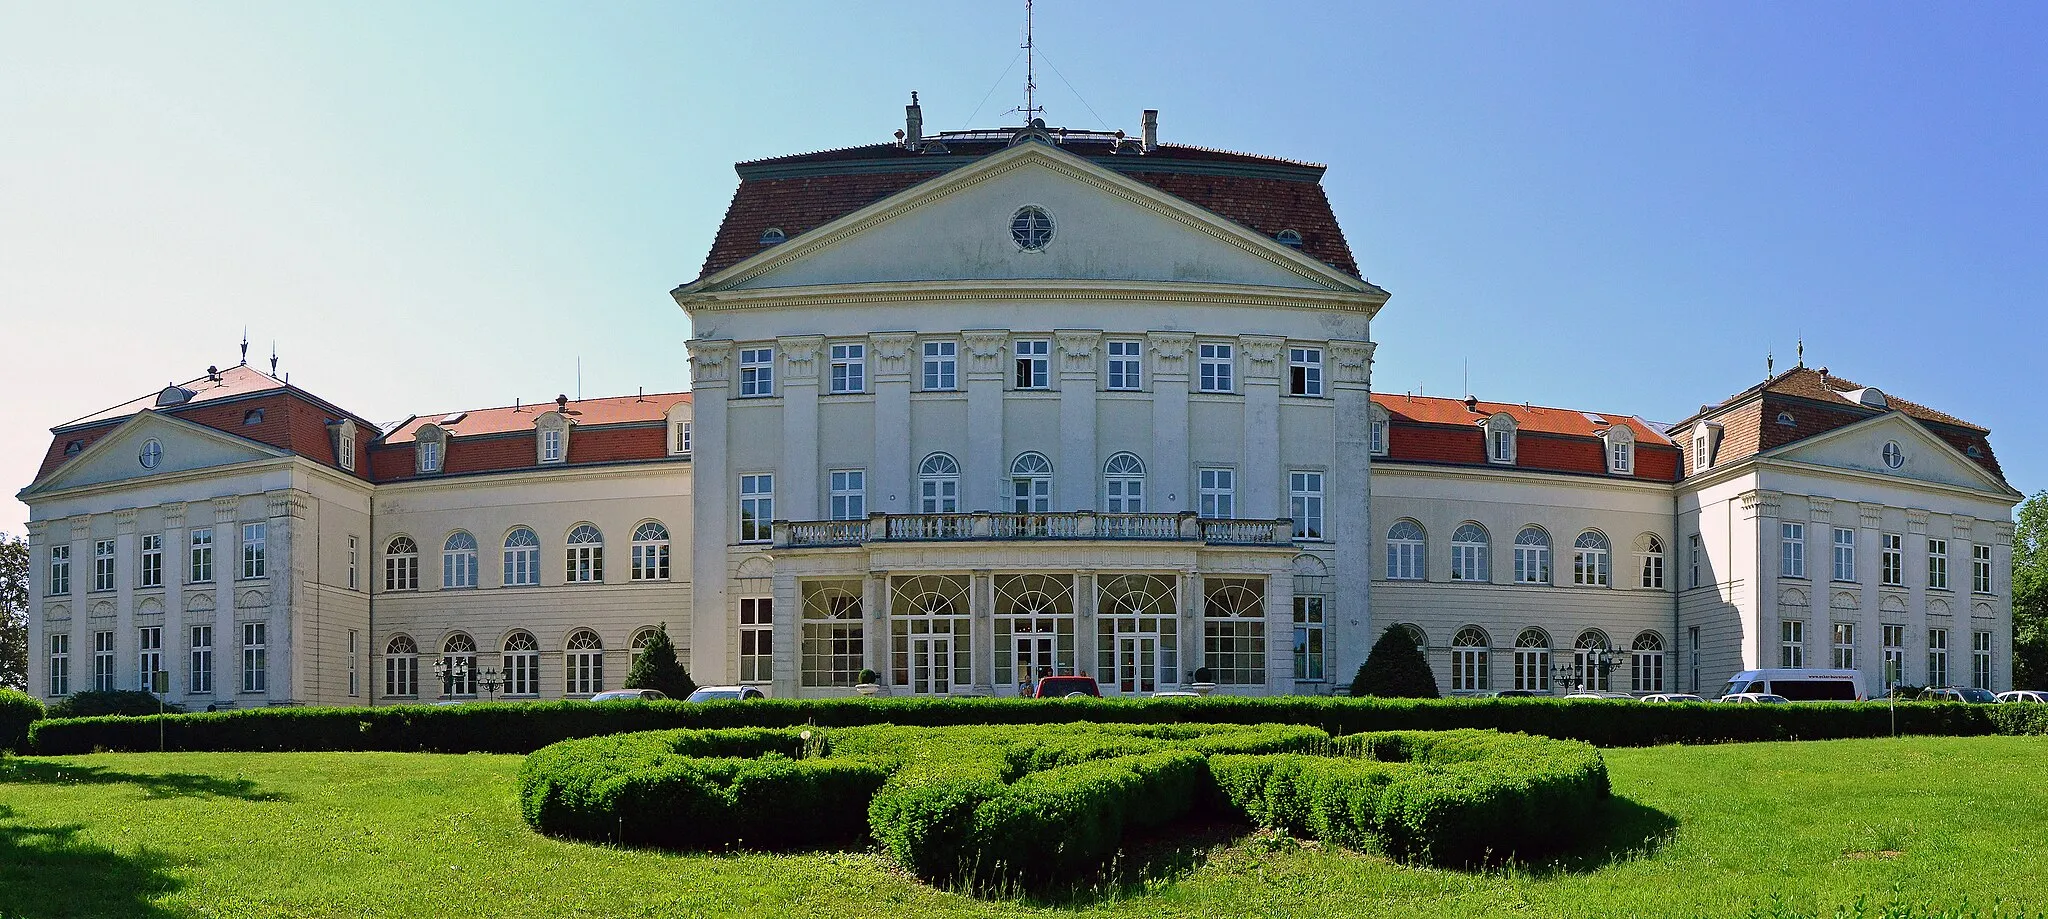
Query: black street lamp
(1572, 674)
(461, 673)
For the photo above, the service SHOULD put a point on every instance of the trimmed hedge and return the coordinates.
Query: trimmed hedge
(18, 710)
(525, 727)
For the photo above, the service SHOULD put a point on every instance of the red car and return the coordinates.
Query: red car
(1066, 687)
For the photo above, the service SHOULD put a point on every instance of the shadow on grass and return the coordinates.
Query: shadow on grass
(1161, 855)
(153, 784)
(1623, 831)
(46, 871)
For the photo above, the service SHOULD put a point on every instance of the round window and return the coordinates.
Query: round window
(1031, 227)
(152, 453)
(1893, 456)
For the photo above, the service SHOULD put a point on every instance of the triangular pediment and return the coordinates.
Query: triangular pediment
(958, 227)
(181, 446)
(1922, 456)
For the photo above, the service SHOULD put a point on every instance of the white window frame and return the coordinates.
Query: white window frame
(757, 639)
(401, 568)
(1532, 560)
(1981, 673)
(519, 660)
(60, 664)
(1123, 484)
(1892, 571)
(522, 562)
(201, 567)
(1652, 574)
(849, 367)
(103, 565)
(103, 660)
(757, 373)
(1937, 563)
(1377, 431)
(201, 647)
(255, 657)
(551, 445)
(1692, 548)
(1845, 554)
(1843, 645)
(1030, 486)
(1033, 363)
(1216, 490)
(59, 583)
(941, 366)
(1471, 665)
(1305, 503)
(757, 507)
(1126, 369)
(151, 572)
(1937, 658)
(429, 455)
(1217, 363)
(1792, 549)
(1792, 643)
(848, 489)
(355, 679)
(583, 561)
(1472, 560)
(938, 492)
(583, 665)
(1980, 569)
(459, 565)
(149, 657)
(1501, 443)
(1305, 372)
(650, 551)
(1407, 556)
(1593, 565)
(255, 550)
(682, 433)
(1892, 639)
(346, 447)
(1311, 638)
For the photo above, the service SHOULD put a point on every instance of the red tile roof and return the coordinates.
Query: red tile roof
(508, 418)
(1820, 402)
(1438, 431)
(1528, 418)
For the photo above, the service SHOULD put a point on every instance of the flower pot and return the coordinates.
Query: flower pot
(1202, 688)
(868, 689)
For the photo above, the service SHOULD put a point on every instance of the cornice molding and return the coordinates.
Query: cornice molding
(1029, 290)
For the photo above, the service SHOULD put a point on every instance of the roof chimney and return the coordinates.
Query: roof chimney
(213, 373)
(913, 123)
(1151, 129)
(1472, 404)
(562, 403)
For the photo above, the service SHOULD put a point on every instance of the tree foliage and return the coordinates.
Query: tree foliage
(1395, 668)
(2030, 594)
(657, 668)
(13, 612)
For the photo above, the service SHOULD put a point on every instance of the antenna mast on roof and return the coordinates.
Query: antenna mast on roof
(1030, 109)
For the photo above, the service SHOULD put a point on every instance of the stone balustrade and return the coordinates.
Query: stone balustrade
(1184, 526)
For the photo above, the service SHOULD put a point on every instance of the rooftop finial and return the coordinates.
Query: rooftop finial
(273, 357)
(1770, 364)
(1802, 351)
(245, 346)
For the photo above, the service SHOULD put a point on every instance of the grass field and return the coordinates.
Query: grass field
(1697, 831)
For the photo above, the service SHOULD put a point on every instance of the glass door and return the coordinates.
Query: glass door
(931, 659)
(1137, 663)
(1033, 659)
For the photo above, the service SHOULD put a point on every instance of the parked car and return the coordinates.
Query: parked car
(1519, 694)
(725, 694)
(2023, 695)
(630, 695)
(1066, 687)
(1672, 697)
(1798, 685)
(1756, 698)
(1597, 695)
(1973, 696)
(1176, 694)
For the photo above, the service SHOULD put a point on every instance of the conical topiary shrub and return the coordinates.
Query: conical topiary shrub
(657, 668)
(1395, 669)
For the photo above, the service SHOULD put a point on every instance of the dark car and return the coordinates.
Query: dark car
(1066, 687)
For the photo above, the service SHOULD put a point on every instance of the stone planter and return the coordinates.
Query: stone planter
(1202, 688)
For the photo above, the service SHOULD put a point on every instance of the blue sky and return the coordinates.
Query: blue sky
(1617, 207)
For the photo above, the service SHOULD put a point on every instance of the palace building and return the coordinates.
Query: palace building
(978, 407)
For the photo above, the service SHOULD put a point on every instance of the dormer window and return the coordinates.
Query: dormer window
(345, 444)
(680, 435)
(1377, 438)
(429, 445)
(1706, 438)
(1500, 438)
(773, 236)
(551, 446)
(1786, 419)
(173, 395)
(551, 434)
(1972, 452)
(1621, 449)
(252, 416)
(1288, 238)
(74, 447)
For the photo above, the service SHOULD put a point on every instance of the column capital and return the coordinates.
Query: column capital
(81, 526)
(1351, 362)
(1819, 508)
(1077, 350)
(1872, 515)
(1916, 520)
(227, 508)
(1761, 502)
(124, 522)
(288, 502)
(37, 530)
(710, 361)
(174, 515)
(985, 348)
(800, 356)
(1261, 356)
(891, 354)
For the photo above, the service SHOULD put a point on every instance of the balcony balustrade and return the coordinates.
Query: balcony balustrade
(1077, 525)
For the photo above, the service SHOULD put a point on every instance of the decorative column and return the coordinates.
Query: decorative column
(297, 660)
(86, 611)
(1759, 511)
(891, 488)
(714, 622)
(981, 628)
(2001, 605)
(1280, 633)
(39, 628)
(1913, 567)
(1168, 473)
(796, 485)
(1347, 512)
(1079, 466)
(177, 624)
(874, 630)
(1258, 479)
(227, 613)
(981, 480)
(1085, 634)
(1190, 638)
(125, 624)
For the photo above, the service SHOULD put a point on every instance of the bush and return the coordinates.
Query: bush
(657, 668)
(122, 702)
(1395, 668)
(513, 727)
(18, 710)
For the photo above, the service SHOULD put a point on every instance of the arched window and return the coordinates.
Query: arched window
(458, 665)
(1646, 664)
(833, 638)
(522, 558)
(1288, 238)
(522, 664)
(402, 564)
(1471, 660)
(1500, 438)
(1532, 660)
(931, 644)
(1234, 630)
(1031, 484)
(1591, 662)
(401, 667)
(1137, 638)
(585, 555)
(773, 236)
(650, 552)
(1405, 551)
(938, 485)
(1591, 560)
(638, 646)
(1650, 555)
(1123, 484)
(1471, 554)
(458, 561)
(1532, 556)
(584, 661)
(1377, 427)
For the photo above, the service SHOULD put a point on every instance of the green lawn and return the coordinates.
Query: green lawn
(390, 834)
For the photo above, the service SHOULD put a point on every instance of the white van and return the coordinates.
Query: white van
(1800, 685)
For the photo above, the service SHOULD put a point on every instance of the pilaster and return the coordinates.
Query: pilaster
(980, 481)
(1169, 476)
(712, 614)
(891, 488)
(1258, 485)
(797, 482)
(1347, 513)
(1077, 473)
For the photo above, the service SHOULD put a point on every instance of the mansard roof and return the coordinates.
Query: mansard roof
(1816, 402)
(799, 193)
(1440, 431)
(652, 407)
(616, 429)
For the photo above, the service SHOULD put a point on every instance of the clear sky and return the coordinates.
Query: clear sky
(1618, 207)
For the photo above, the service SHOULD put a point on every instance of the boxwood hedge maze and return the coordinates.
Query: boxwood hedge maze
(1011, 807)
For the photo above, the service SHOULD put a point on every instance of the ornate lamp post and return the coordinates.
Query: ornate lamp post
(488, 679)
(1572, 676)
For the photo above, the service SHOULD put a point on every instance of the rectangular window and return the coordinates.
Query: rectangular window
(1894, 560)
(1937, 657)
(1845, 646)
(1692, 548)
(1502, 438)
(149, 656)
(550, 446)
(1126, 364)
(1217, 490)
(1692, 638)
(103, 661)
(1378, 436)
(849, 494)
(757, 639)
(254, 642)
(1980, 660)
(757, 508)
(346, 452)
(685, 432)
(757, 372)
(1621, 457)
(1033, 357)
(941, 366)
(1845, 554)
(60, 571)
(1309, 663)
(1791, 643)
(849, 368)
(1471, 664)
(1980, 569)
(1218, 367)
(202, 660)
(1937, 564)
(1305, 490)
(152, 570)
(255, 538)
(1793, 540)
(1653, 565)
(1592, 564)
(1404, 553)
(1894, 641)
(60, 665)
(103, 565)
(202, 555)
(458, 564)
(1532, 558)
(430, 455)
(1305, 372)
(355, 683)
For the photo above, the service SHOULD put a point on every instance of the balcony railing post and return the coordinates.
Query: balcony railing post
(778, 532)
(981, 525)
(1190, 526)
(1084, 524)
